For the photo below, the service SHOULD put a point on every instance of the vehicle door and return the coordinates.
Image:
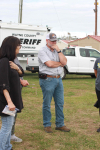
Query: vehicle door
(84, 61)
(93, 55)
(72, 61)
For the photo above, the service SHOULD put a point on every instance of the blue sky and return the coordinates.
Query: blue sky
(74, 16)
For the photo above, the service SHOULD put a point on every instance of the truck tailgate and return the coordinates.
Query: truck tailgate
(32, 61)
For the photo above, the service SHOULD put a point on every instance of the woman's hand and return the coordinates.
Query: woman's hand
(13, 65)
(24, 82)
(11, 106)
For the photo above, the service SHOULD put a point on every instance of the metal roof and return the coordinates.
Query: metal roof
(96, 37)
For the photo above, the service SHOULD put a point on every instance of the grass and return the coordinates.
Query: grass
(80, 116)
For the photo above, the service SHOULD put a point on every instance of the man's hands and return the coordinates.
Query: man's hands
(53, 64)
(63, 59)
(55, 47)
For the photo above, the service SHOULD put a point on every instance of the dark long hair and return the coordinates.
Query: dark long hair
(8, 47)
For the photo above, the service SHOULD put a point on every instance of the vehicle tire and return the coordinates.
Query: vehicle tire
(63, 74)
(93, 76)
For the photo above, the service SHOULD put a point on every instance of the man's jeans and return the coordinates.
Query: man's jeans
(5, 132)
(52, 87)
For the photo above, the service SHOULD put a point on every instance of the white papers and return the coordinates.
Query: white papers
(9, 112)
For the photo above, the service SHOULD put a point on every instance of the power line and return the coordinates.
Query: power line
(57, 16)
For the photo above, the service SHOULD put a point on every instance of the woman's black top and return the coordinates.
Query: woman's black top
(9, 79)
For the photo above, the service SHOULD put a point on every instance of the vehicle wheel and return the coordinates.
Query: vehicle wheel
(93, 76)
(63, 74)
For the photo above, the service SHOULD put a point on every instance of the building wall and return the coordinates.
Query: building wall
(88, 41)
(61, 44)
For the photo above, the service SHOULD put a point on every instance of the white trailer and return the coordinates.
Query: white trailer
(32, 38)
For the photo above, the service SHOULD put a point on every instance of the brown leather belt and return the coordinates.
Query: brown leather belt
(57, 76)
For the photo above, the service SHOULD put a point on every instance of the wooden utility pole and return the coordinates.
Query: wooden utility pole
(95, 17)
(20, 11)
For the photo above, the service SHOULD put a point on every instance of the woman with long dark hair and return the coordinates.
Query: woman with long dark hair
(10, 93)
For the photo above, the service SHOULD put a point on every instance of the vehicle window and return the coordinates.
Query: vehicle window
(89, 53)
(69, 52)
(83, 52)
(94, 53)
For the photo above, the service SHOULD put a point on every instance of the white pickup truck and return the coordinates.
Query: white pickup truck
(80, 60)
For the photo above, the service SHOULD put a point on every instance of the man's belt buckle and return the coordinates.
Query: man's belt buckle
(56, 76)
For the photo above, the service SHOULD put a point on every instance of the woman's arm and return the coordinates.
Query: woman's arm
(9, 101)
